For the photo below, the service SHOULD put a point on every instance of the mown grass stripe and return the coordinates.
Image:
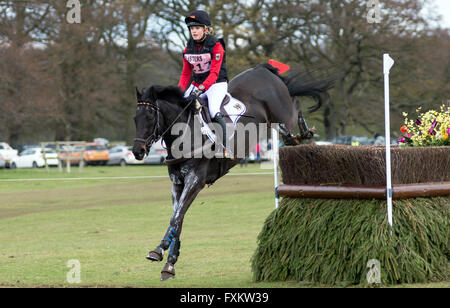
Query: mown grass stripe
(120, 177)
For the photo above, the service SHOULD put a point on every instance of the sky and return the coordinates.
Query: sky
(443, 7)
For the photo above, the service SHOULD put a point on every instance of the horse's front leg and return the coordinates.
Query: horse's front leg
(157, 254)
(192, 186)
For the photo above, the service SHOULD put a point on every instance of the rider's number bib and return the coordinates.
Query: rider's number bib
(201, 63)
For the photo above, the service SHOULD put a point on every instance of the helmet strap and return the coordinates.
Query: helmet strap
(202, 39)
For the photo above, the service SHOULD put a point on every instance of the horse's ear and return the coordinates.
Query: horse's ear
(138, 94)
(153, 93)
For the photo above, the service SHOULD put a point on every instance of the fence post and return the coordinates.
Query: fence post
(44, 156)
(275, 147)
(83, 149)
(58, 152)
(388, 62)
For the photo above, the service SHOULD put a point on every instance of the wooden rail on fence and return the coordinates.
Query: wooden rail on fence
(365, 192)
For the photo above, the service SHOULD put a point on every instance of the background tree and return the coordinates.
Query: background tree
(126, 34)
(82, 77)
(24, 98)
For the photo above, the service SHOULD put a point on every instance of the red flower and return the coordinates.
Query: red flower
(403, 129)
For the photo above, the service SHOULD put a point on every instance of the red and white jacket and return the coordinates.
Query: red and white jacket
(205, 63)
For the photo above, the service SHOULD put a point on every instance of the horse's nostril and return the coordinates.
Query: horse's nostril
(138, 152)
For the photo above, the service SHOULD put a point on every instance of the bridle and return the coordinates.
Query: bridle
(155, 136)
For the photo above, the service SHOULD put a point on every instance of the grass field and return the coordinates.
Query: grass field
(109, 220)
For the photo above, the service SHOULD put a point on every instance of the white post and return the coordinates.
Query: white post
(58, 150)
(275, 146)
(388, 62)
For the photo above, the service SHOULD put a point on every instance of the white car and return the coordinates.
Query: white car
(34, 158)
(7, 152)
(156, 156)
(2, 162)
(323, 143)
(122, 155)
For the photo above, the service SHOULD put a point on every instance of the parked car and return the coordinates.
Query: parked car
(7, 152)
(22, 147)
(72, 154)
(2, 162)
(94, 154)
(103, 141)
(156, 156)
(347, 140)
(122, 155)
(323, 142)
(34, 158)
(351, 140)
(360, 140)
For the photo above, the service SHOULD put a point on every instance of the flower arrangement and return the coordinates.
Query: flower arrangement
(431, 128)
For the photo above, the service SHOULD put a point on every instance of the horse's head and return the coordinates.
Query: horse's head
(147, 120)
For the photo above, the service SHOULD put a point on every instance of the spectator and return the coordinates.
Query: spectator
(258, 152)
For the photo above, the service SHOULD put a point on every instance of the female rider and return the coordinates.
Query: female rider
(204, 60)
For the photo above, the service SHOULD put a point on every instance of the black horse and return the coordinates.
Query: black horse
(268, 97)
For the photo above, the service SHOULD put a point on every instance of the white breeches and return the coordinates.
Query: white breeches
(215, 93)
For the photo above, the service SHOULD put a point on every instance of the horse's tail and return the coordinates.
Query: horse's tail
(303, 84)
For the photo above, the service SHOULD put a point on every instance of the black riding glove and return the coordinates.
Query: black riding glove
(192, 99)
(194, 95)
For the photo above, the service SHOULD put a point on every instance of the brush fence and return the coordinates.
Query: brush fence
(331, 227)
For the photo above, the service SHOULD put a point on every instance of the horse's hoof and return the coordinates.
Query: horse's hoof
(168, 272)
(156, 255)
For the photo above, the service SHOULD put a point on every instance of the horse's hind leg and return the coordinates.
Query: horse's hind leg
(157, 254)
(305, 132)
(288, 138)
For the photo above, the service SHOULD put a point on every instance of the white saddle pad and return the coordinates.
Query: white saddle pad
(233, 110)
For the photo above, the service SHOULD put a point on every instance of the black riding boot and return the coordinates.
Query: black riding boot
(219, 118)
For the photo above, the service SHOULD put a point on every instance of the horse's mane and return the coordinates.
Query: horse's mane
(172, 94)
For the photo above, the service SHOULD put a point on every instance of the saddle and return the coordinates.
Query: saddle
(232, 109)
(205, 109)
